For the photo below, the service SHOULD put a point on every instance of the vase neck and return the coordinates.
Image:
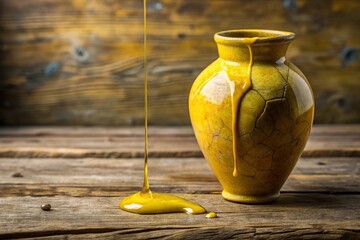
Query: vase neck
(268, 45)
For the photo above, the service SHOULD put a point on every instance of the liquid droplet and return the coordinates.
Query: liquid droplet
(211, 215)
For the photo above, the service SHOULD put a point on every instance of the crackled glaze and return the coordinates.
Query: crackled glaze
(252, 141)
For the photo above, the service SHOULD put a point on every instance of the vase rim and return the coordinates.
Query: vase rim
(263, 36)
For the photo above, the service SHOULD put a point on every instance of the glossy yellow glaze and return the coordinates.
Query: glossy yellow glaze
(239, 85)
(145, 201)
(252, 112)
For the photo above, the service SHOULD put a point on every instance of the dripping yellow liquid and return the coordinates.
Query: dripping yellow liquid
(236, 96)
(146, 201)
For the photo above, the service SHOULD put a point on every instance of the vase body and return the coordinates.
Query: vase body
(265, 127)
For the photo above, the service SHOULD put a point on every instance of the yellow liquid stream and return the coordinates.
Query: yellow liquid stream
(145, 201)
(236, 97)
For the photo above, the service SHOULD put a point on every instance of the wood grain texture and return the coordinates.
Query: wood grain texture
(111, 177)
(330, 130)
(320, 200)
(80, 62)
(293, 216)
(340, 140)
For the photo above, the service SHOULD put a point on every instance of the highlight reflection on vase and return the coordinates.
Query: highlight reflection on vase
(252, 112)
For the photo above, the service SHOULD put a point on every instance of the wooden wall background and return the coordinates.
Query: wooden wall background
(79, 62)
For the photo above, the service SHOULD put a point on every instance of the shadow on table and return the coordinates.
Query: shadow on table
(311, 200)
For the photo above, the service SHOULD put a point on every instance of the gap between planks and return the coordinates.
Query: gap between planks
(110, 177)
(30, 131)
(167, 142)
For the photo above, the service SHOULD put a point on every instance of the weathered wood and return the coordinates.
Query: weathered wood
(221, 233)
(163, 142)
(337, 130)
(80, 62)
(55, 131)
(320, 200)
(294, 216)
(110, 177)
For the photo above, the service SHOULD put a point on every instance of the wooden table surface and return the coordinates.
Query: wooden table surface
(84, 172)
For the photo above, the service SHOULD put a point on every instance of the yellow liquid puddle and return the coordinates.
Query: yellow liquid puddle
(236, 97)
(146, 201)
(155, 203)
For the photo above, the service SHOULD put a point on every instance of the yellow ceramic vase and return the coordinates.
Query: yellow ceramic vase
(252, 112)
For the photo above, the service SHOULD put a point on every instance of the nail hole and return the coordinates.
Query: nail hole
(349, 55)
(81, 54)
(341, 102)
(181, 35)
(290, 5)
(321, 163)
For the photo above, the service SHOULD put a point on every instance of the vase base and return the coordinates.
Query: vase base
(250, 199)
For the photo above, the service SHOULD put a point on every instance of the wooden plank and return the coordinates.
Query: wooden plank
(293, 216)
(80, 62)
(110, 177)
(73, 142)
(332, 130)
(321, 199)
(56, 131)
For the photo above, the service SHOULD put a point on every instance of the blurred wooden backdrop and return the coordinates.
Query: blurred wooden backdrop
(79, 62)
